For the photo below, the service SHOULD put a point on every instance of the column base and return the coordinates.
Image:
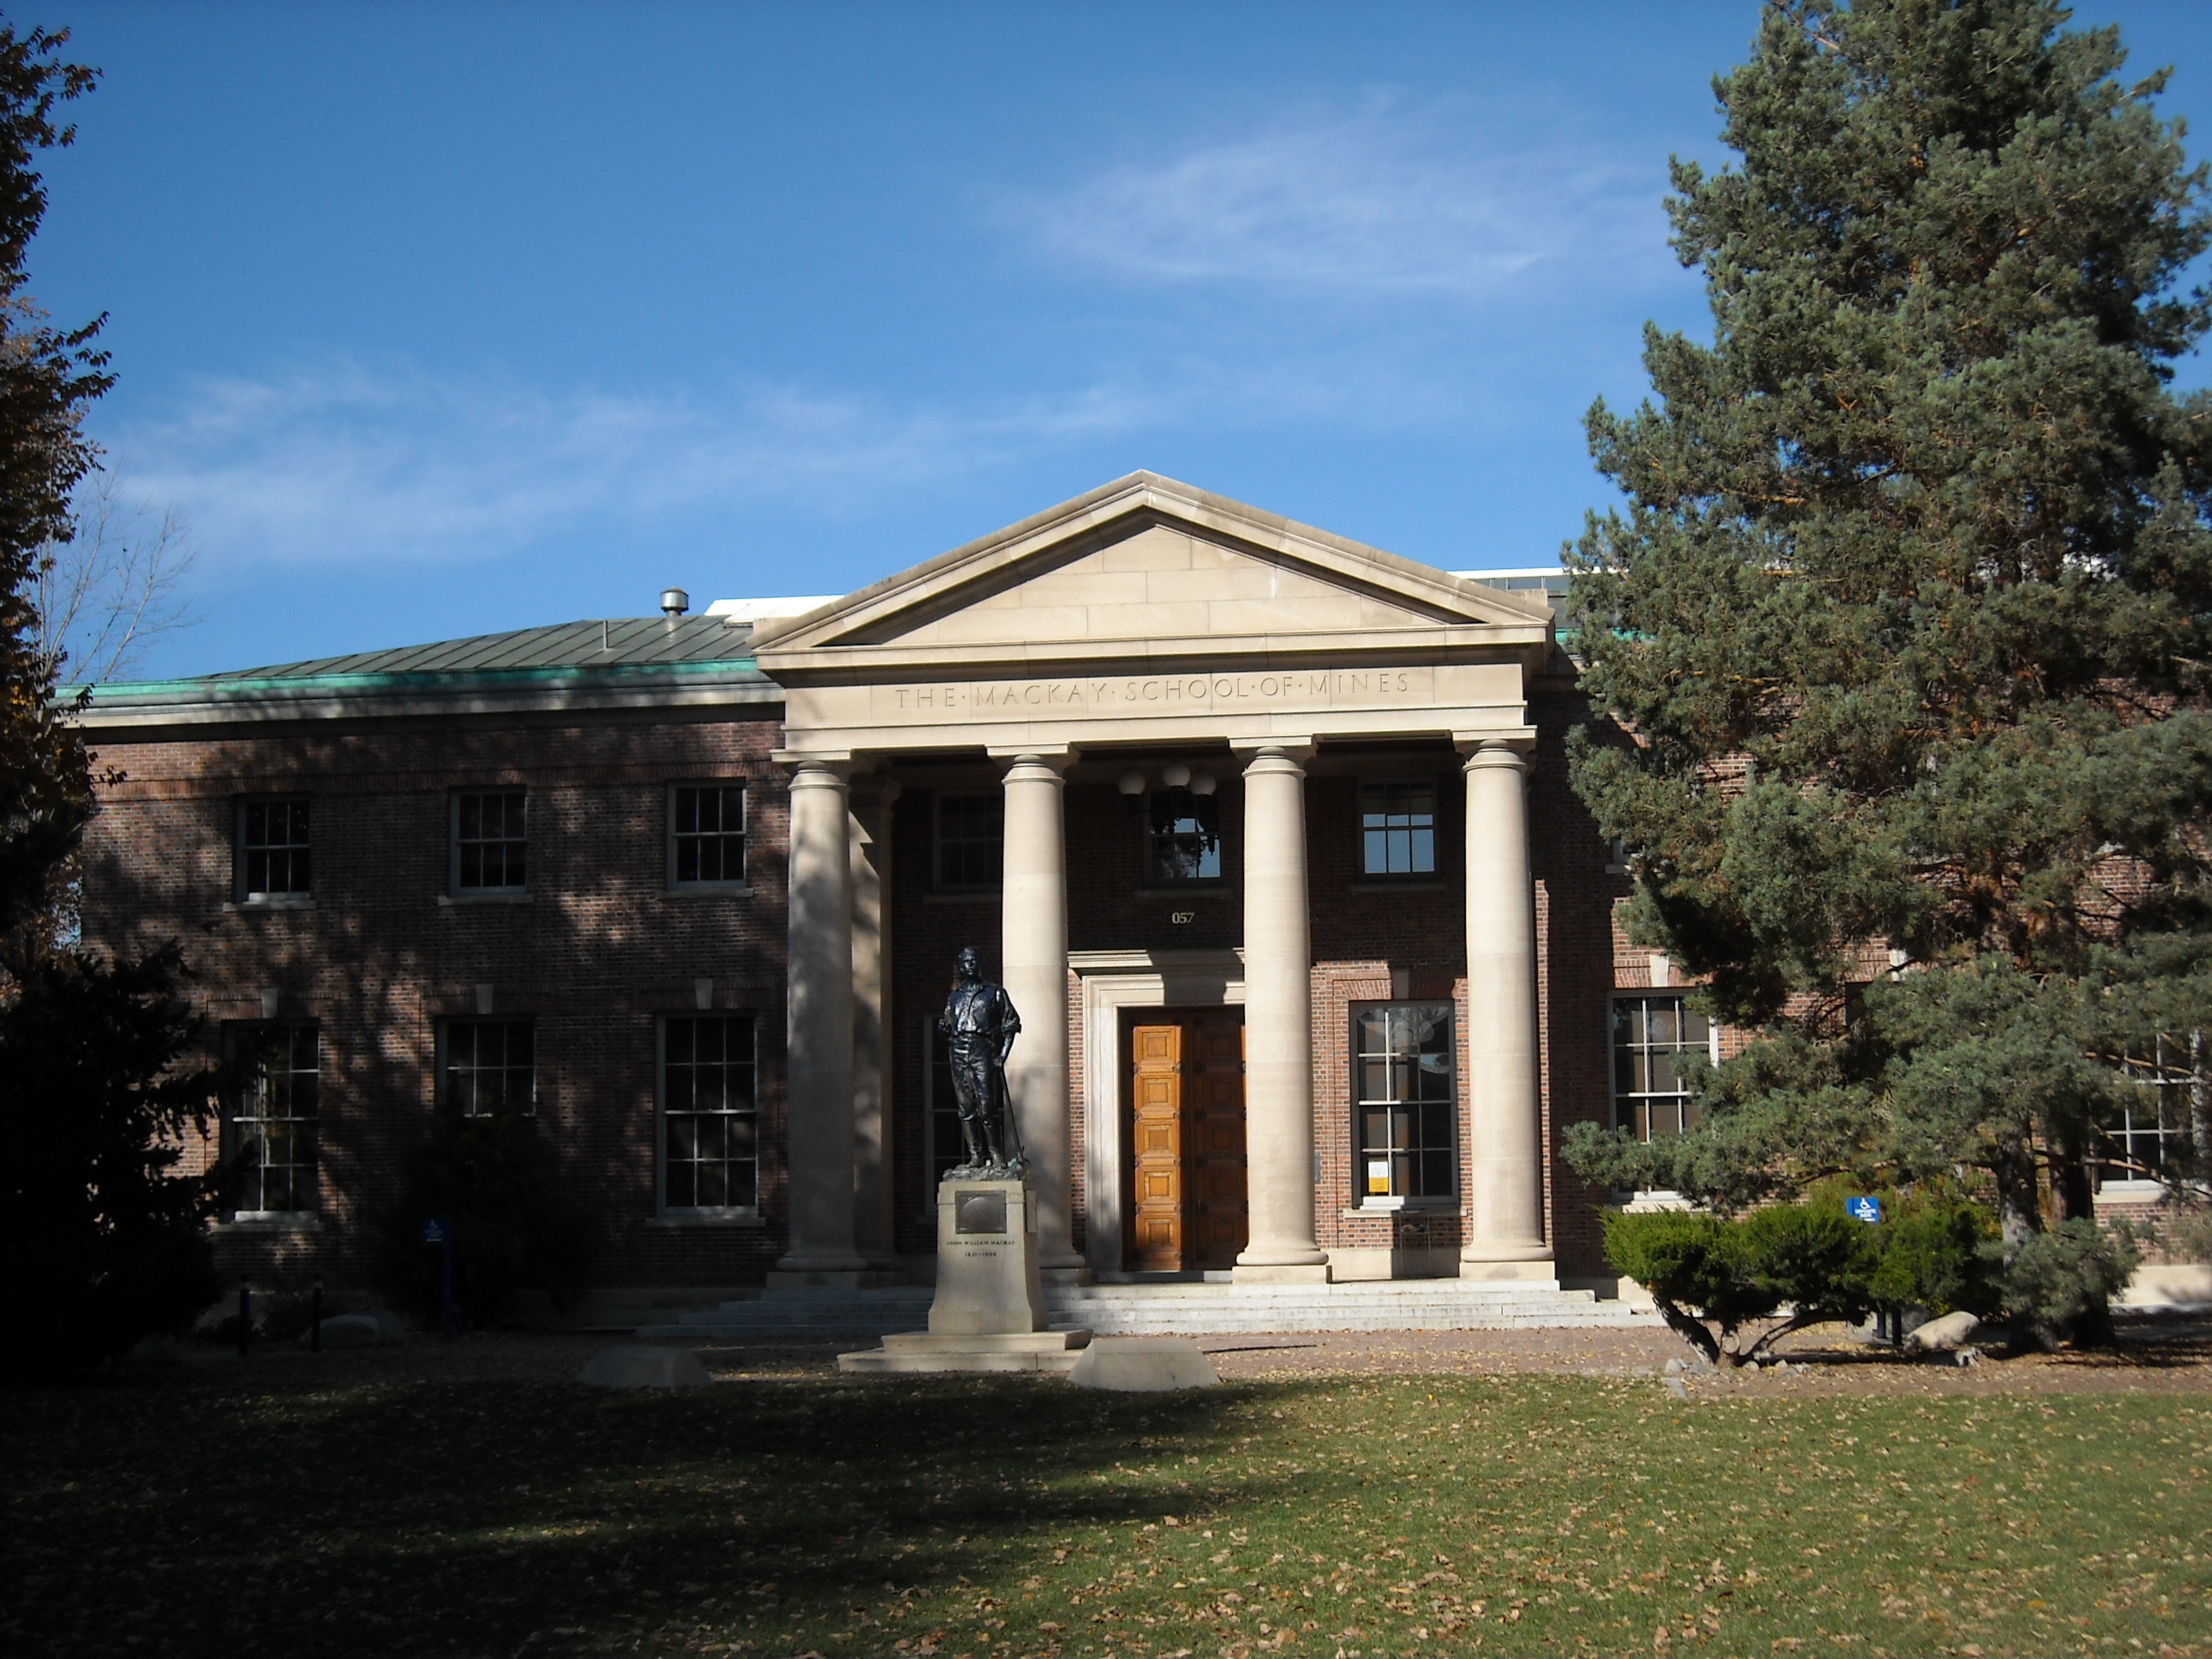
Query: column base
(1542, 1271)
(1279, 1274)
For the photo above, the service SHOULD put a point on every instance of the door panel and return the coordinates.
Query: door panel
(1213, 1131)
(1187, 1186)
(1156, 1228)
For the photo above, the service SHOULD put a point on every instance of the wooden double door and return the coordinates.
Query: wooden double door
(1186, 1072)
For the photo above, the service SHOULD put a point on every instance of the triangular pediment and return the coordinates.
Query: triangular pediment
(1144, 565)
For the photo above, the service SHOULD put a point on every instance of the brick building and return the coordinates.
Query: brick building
(1231, 805)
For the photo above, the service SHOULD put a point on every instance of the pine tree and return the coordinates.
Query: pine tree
(1903, 631)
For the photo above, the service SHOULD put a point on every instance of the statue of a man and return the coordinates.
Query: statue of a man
(980, 1025)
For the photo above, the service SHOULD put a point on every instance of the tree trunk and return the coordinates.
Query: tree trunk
(2200, 1105)
(2019, 1217)
(2070, 1185)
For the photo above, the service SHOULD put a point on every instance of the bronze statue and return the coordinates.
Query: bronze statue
(980, 1025)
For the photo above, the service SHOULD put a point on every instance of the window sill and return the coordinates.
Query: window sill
(1651, 1202)
(2132, 1191)
(710, 890)
(247, 907)
(454, 900)
(678, 1219)
(1419, 1207)
(271, 1221)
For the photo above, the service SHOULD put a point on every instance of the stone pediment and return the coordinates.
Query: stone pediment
(1149, 612)
(1148, 570)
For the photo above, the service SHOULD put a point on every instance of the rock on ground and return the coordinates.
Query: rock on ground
(1143, 1365)
(1944, 1335)
(645, 1368)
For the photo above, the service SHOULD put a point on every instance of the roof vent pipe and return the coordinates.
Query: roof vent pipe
(674, 602)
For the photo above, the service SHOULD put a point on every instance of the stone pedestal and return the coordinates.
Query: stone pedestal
(989, 1312)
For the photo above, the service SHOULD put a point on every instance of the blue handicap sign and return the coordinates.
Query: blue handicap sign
(1864, 1209)
(433, 1232)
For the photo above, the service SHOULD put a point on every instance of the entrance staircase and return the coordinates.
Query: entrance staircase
(1184, 1309)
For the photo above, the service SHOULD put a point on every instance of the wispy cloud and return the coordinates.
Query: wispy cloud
(349, 463)
(1448, 199)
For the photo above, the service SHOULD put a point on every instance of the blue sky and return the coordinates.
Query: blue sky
(440, 320)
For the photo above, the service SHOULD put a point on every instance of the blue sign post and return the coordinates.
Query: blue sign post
(440, 1233)
(1863, 1208)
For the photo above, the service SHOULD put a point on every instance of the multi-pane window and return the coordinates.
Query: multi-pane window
(1650, 1035)
(2149, 1135)
(1398, 829)
(1182, 840)
(272, 850)
(971, 839)
(1403, 1094)
(271, 1130)
(707, 835)
(490, 1067)
(709, 1123)
(490, 842)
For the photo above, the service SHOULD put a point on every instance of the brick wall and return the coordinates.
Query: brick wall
(600, 948)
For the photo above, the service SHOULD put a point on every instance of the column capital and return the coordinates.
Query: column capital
(1495, 755)
(1031, 754)
(1253, 750)
(1520, 738)
(839, 765)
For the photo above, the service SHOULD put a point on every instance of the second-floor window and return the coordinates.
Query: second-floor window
(971, 842)
(490, 847)
(272, 850)
(706, 835)
(1182, 840)
(1398, 829)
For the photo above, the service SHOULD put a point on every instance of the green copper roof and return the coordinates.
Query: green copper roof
(625, 642)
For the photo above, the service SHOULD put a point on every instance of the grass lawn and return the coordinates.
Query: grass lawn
(1359, 1515)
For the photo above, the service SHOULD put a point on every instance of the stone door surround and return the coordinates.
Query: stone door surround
(1146, 613)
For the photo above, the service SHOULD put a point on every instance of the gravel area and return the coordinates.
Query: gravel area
(2162, 1355)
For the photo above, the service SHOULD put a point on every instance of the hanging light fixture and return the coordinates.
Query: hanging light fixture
(1175, 775)
(1202, 783)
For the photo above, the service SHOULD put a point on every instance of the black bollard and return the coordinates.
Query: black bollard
(315, 1330)
(245, 1316)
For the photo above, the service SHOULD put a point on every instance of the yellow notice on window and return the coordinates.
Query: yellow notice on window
(1378, 1176)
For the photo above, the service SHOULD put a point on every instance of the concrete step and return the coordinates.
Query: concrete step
(1435, 1305)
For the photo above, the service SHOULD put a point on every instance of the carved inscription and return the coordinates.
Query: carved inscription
(1322, 688)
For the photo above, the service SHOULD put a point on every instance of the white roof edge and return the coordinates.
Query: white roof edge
(1517, 570)
(762, 609)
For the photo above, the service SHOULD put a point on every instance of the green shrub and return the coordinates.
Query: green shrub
(1699, 1270)
(2064, 1281)
(1932, 1253)
(516, 1225)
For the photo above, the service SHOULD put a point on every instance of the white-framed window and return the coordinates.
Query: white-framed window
(1398, 827)
(971, 842)
(491, 841)
(710, 1115)
(272, 1126)
(706, 835)
(488, 1066)
(1405, 1093)
(1182, 837)
(274, 859)
(2147, 1138)
(1650, 1031)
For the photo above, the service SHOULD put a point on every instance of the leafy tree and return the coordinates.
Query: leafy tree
(1906, 616)
(47, 377)
(105, 1241)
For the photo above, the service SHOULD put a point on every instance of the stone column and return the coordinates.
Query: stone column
(819, 1054)
(1505, 1212)
(1279, 1136)
(1033, 956)
(870, 832)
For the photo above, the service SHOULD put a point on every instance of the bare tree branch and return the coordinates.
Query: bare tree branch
(123, 581)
